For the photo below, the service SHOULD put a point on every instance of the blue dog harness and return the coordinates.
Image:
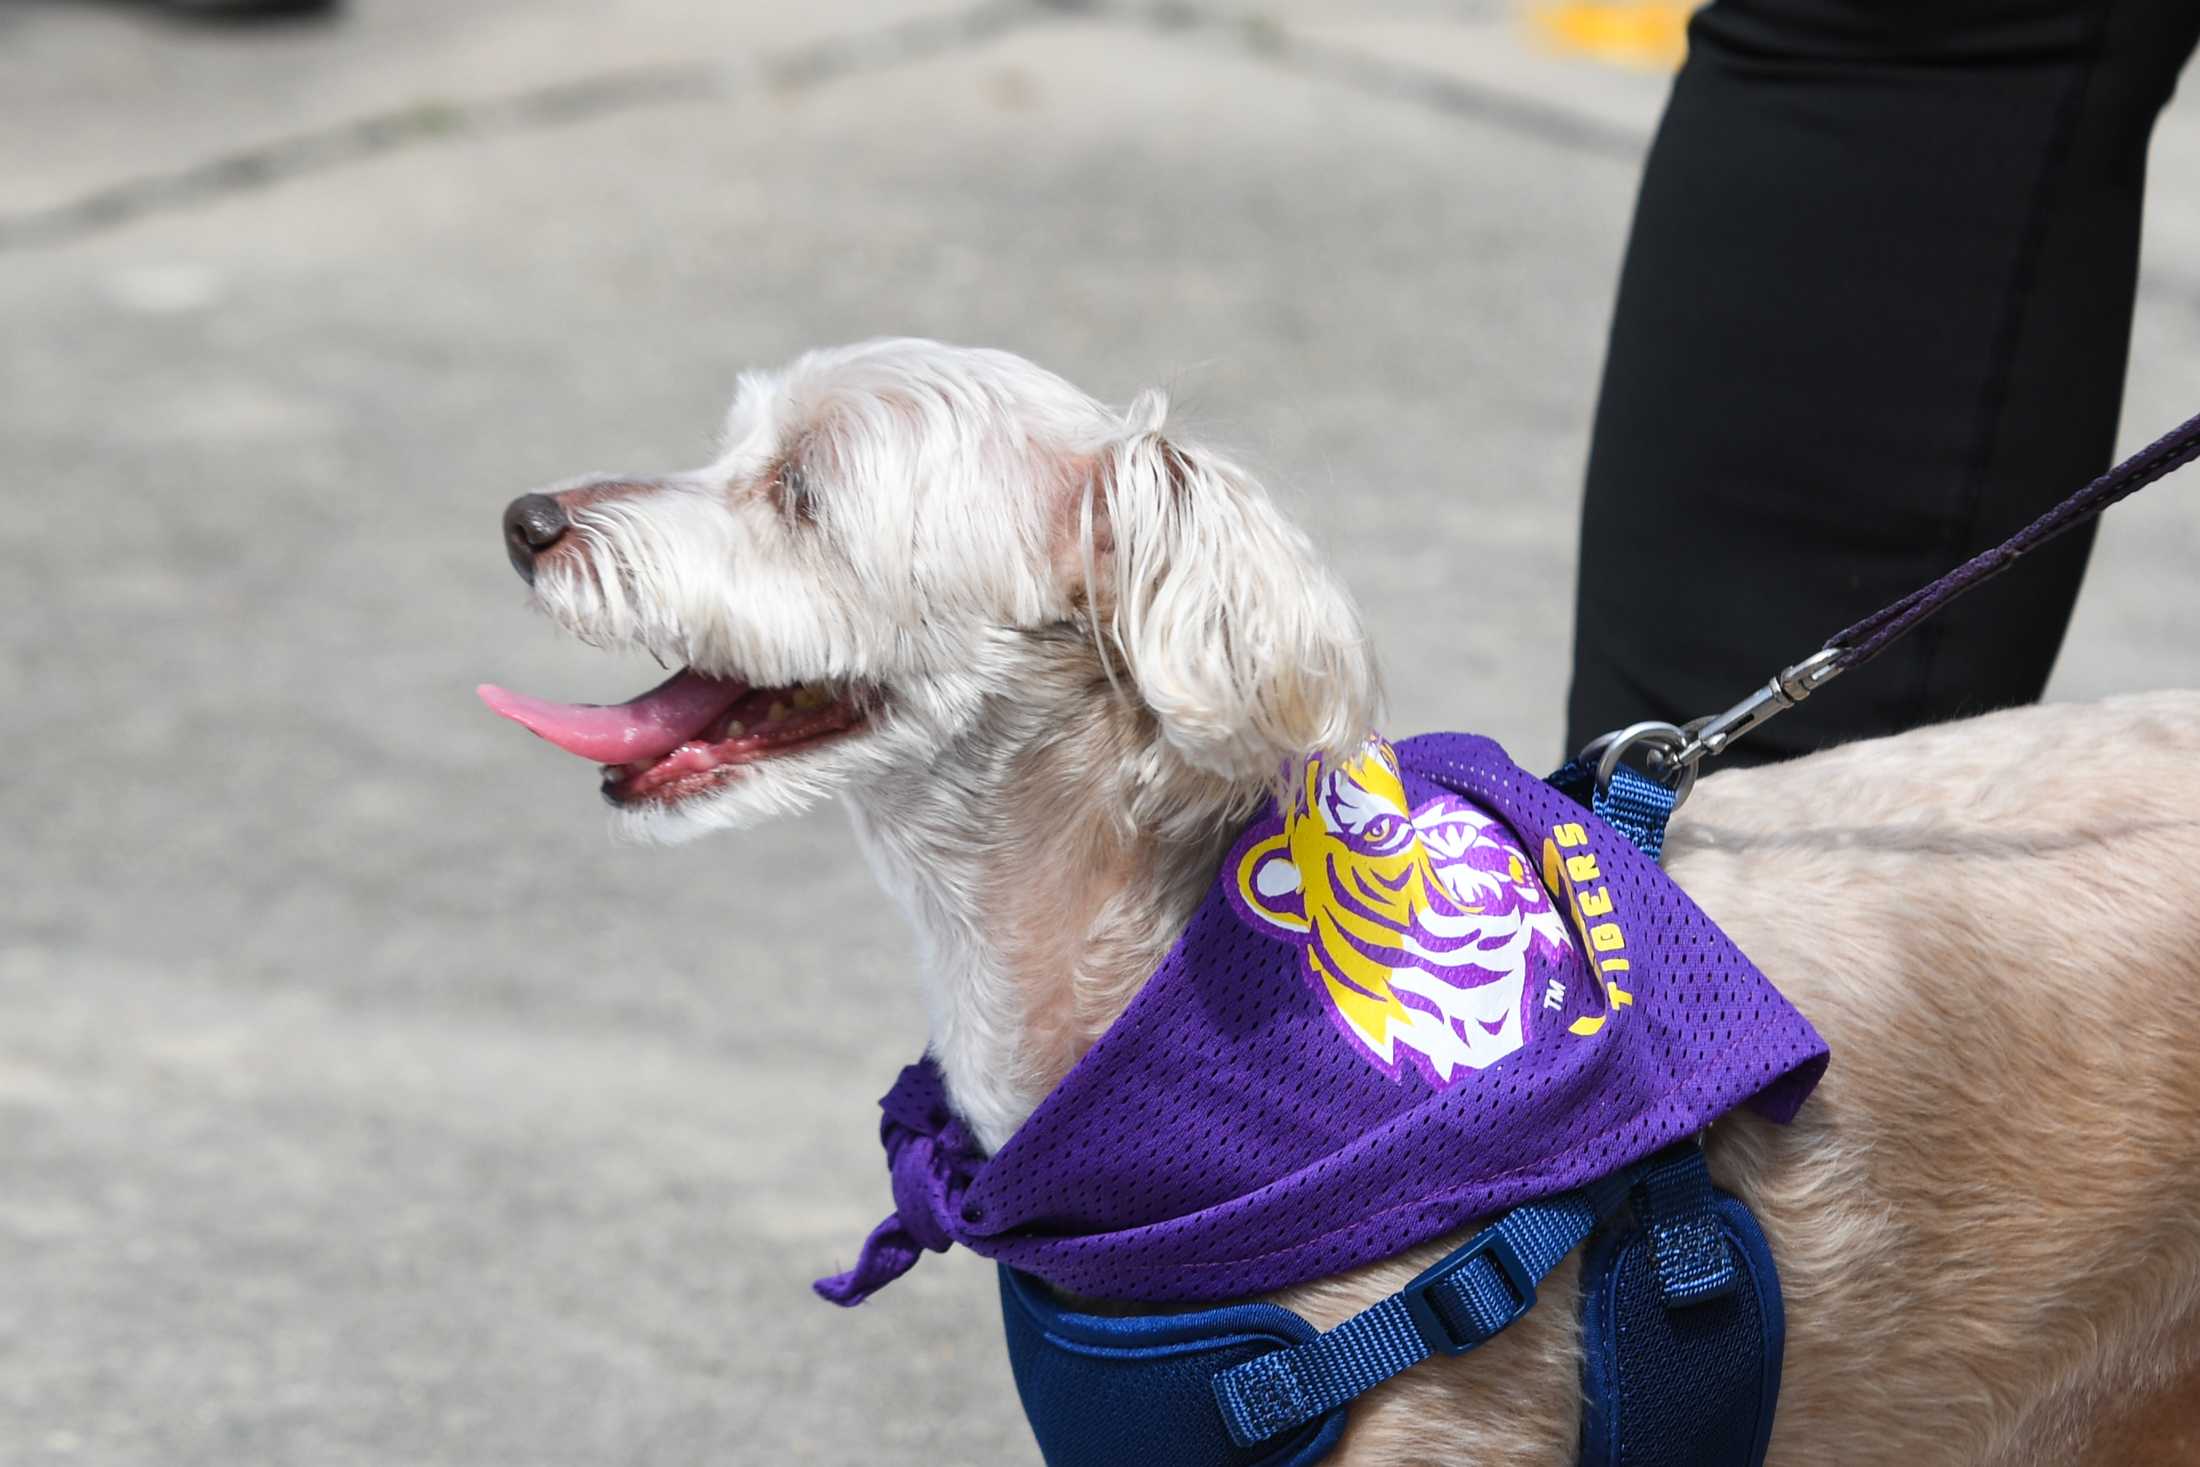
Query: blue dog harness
(1682, 1333)
(1681, 1318)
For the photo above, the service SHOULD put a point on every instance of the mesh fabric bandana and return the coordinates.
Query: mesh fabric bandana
(1436, 990)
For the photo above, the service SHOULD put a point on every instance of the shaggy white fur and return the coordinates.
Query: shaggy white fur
(1042, 604)
(1085, 649)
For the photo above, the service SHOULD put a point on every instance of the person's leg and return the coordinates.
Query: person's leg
(1873, 318)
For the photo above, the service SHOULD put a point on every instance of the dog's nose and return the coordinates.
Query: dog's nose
(532, 524)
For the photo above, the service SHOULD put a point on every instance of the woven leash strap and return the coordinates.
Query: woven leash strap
(1675, 752)
(1860, 643)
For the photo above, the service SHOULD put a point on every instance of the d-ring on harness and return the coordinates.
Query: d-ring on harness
(1671, 754)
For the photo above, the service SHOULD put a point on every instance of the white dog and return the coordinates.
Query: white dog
(1053, 659)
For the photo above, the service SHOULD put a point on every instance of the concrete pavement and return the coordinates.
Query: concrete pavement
(360, 1101)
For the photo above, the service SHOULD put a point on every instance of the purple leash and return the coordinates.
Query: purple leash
(1673, 753)
(1859, 644)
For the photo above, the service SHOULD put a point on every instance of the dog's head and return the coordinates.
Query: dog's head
(900, 549)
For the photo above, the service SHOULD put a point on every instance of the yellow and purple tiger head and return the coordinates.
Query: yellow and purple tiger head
(1419, 925)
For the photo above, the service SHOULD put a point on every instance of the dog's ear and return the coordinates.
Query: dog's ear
(1248, 652)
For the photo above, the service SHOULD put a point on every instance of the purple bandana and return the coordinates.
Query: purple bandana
(1436, 990)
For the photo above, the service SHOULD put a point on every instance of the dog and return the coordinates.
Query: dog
(1054, 657)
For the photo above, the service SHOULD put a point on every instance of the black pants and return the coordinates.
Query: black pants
(1874, 317)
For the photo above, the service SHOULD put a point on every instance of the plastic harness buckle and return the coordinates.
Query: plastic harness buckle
(1447, 1334)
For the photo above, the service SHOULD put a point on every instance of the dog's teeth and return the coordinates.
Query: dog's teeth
(808, 698)
(736, 728)
(776, 712)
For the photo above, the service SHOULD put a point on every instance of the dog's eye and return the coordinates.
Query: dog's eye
(791, 490)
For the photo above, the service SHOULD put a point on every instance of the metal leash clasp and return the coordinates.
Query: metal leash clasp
(1672, 754)
(1662, 746)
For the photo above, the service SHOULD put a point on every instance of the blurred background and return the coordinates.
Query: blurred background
(360, 1100)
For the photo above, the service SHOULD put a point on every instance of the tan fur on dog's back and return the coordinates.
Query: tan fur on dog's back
(2159, 1428)
(1987, 1219)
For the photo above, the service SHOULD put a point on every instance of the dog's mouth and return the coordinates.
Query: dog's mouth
(688, 734)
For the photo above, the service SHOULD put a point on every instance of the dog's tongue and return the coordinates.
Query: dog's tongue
(649, 727)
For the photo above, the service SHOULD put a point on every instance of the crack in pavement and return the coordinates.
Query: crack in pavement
(552, 105)
(1257, 36)
(609, 93)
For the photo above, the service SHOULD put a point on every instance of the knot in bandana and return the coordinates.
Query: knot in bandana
(1430, 989)
(931, 1159)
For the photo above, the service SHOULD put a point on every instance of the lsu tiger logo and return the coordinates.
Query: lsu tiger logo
(1420, 926)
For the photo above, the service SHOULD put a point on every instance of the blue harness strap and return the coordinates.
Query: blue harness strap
(1682, 1337)
(1682, 1327)
(1676, 1214)
(1462, 1301)
(1676, 1370)
(1633, 804)
(1102, 1390)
